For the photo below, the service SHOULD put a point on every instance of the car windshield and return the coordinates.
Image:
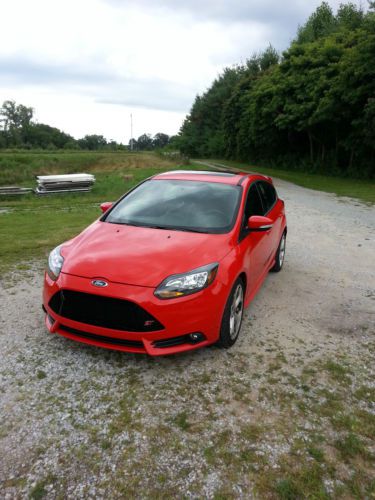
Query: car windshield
(207, 207)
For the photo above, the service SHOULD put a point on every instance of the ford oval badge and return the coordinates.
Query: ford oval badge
(100, 283)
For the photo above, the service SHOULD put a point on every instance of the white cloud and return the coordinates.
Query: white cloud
(86, 64)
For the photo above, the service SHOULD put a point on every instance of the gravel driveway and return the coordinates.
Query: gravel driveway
(290, 406)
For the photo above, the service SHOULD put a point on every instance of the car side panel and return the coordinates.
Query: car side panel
(254, 255)
(274, 235)
(252, 251)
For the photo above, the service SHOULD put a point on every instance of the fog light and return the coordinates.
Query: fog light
(196, 337)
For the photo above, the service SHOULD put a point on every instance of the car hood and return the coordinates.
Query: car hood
(139, 255)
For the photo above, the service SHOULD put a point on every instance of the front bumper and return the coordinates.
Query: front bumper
(198, 313)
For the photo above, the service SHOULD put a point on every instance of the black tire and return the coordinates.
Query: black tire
(280, 255)
(231, 325)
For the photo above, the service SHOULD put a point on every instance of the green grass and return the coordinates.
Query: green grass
(363, 190)
(350, 446)
(28, 234)
(365, 393)
(22, 167)
(30, 226)
(41, 374)
(181, 421)
(252, 432)
(295, 478)
(39, 491)
(337, 371)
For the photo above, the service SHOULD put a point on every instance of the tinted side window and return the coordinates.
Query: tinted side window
(268, 194)
(253, 203)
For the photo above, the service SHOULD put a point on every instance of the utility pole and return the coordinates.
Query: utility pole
(131, 132)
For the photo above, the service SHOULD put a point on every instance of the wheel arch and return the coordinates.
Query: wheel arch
(243, 278)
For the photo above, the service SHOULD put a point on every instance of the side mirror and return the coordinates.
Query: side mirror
(105, 206)
(259, 223)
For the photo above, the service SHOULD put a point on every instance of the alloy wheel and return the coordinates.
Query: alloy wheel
(236, 311)
(282, 250)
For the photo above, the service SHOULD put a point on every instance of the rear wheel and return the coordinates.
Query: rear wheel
(280, 255)
(232, 317)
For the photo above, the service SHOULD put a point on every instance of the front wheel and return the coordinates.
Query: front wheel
(280, 255)
(232, 317)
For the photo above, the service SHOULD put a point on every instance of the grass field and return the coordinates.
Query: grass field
(22, 167)
(364, 190)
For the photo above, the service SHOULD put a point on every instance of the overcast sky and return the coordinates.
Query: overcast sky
(85, 65)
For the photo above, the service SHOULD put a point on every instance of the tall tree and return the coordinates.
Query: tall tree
(321, 23)
(313, 108)
(92, 142)
(203, 126)
(144, 142)
(160, 140)
(14, 120)
(15, 116)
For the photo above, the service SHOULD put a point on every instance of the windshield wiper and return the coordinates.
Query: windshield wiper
(123, 223)
(173, 228)
(167, 228)
(190, 230)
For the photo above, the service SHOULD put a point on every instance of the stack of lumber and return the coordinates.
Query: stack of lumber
(12, 190)
(68, 183)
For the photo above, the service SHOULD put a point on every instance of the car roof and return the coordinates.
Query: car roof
(222, 176)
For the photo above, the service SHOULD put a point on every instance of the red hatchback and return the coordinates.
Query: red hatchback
(170, 266)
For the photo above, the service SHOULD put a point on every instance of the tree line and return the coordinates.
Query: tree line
(147, 142)
(18, 130)
(311, 108)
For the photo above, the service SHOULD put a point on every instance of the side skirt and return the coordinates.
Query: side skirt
(259, 283)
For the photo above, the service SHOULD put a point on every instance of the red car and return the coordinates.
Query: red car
(170, 266)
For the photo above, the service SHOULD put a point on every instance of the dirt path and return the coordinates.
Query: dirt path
(289, 410)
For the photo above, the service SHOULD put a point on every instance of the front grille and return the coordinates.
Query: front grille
(106, 312)
(101, 338)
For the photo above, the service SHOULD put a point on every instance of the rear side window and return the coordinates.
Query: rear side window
(268, 194)
(253, 203)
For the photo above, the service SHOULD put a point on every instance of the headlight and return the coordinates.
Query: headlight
(55, 263)
(179, 285)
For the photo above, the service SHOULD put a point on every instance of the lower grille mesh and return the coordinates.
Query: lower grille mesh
(106, 312)
(183, 339)
(101, 338)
